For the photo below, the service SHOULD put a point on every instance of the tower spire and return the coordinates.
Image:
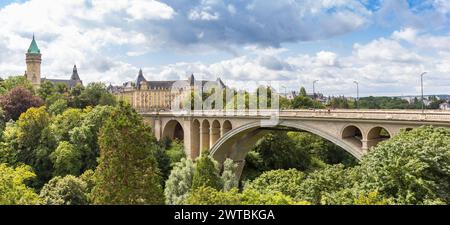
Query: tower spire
(75, 73)
(34, 49)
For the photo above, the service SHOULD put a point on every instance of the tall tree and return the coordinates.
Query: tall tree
(179, 182)
(229, 178)
(36, 142)
(128, 172)
(303, 92)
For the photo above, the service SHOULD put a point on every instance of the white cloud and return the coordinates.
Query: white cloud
(385, 50)
(408, 34)
(149, 9)
(98, 36)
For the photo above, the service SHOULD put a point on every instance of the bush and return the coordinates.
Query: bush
(68, 190)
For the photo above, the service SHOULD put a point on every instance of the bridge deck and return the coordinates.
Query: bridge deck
(402, 115)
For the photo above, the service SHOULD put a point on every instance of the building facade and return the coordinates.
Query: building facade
(146, 95)
(33, 60)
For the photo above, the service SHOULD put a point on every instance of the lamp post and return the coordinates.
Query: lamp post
(357, 93)
(314, 88)
(421, 89)
(285, 92)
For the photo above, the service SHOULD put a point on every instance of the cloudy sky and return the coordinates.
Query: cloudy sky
(383, 44)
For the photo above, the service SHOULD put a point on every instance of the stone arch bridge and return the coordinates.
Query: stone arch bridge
(231, 134)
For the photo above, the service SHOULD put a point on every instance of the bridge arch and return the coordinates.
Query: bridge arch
(376, 135)
(236, 143)
(215, 132)
(174, 130)
(353, 134)
(226, 127)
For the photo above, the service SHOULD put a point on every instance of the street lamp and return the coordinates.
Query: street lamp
(421, 88)
(357, 93)
(314, 88)
(285, 92)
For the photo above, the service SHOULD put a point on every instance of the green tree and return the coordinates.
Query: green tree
(302, 102)
(285, 181)
(411, 168)
(303, 92)
(13, 190)
(36, 142)
(179, 182)
(321, 184)
(63, 124)
(128, 172)
(58, 107)
(229, 178)
(84, 137)
(68, 190)
(66, 160)
(94, 94)
(13, 82)
(211, 196)
(206, 173)
(281, 152)
(10, 144)
(46, 90)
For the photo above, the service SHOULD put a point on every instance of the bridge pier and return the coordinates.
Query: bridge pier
(215, 135)
(365, 146)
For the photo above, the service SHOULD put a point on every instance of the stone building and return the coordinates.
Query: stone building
(146, 95)
(33, 72)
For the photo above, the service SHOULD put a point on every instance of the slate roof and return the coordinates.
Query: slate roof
(152, 85)
(69, 83)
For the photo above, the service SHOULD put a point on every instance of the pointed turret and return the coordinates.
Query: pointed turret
(140, 79)
(75, 74)
(34, 49)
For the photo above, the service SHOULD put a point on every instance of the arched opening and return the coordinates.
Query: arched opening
(377, 135)
(226, 127)
(240, 140)
(353, 135)
(215, 132)
(174, 130)
(204, 132)
(195, 143)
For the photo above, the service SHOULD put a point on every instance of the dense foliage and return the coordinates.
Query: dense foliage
(128, 171)
(13, 190)
(68, 190)
(206, 173)
(78, 146)
(18, 100)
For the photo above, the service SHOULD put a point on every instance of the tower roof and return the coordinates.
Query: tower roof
(34, 49)
(140, 78)
(75, 73)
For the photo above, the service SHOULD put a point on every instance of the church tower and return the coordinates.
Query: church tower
(33, 59)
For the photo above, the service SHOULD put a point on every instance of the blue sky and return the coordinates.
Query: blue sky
(383, 44)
